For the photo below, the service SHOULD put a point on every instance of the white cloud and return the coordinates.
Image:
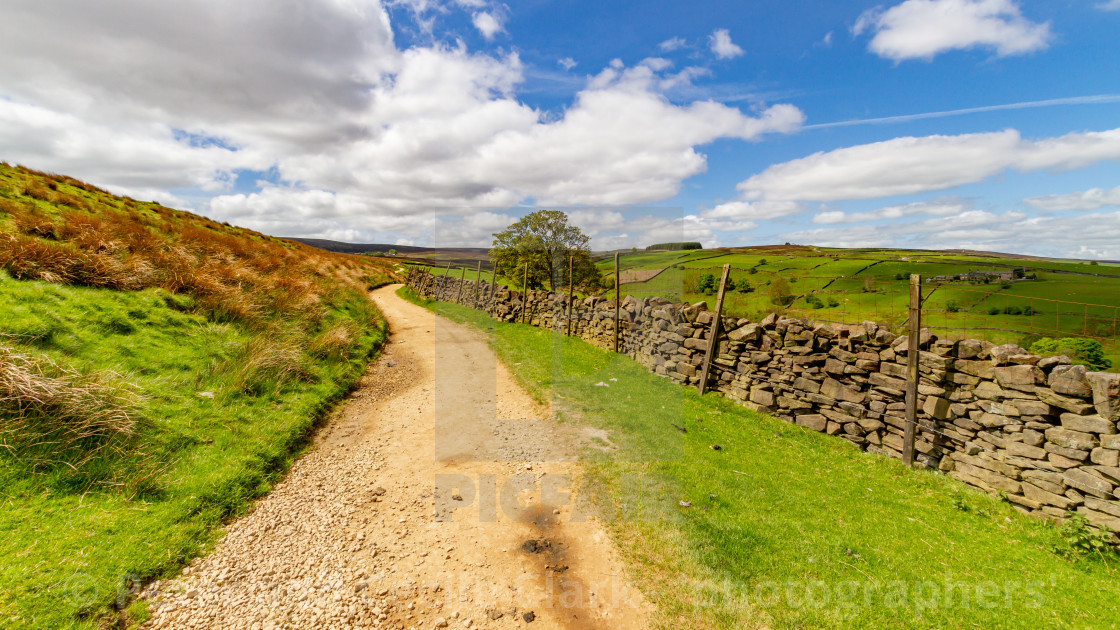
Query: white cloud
(722, 46)
(1092, 199)
(595, 222)
(487, 23)
(450, 140)
(358, 134)
(672, 44)
(567, 63)
(1089, 235)
(1109, 5)
(754, 210)
(316, 213)
(146, 161)
(939, 208)
(912, 165)
(921, 29)
(647, 230)
(827, 40)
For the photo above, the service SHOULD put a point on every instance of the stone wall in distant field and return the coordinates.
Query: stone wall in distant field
(1039, 431)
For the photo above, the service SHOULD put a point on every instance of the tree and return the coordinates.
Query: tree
(544, 240)
(780, 293)
(707, 284)
(392, 252)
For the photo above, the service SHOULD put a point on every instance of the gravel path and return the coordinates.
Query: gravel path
(420, 506)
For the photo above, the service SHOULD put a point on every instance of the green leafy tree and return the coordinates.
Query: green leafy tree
(1087, 351)
(707, 284)
(780, 293)
(544, 240)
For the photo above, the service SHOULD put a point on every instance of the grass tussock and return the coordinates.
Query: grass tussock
(54, 414)
(263, 365)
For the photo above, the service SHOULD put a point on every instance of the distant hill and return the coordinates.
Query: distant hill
(384, 248)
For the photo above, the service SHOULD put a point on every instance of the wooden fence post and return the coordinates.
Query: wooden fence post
(913, 353)
(617, 301)
(443, 280)
(525, 297)
(462, 281)
(571, 290)
(477, 284)
(713, 336)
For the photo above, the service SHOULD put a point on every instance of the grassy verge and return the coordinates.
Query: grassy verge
(216, 436)
(788, 528)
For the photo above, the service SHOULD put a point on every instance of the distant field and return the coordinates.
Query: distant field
(1065, 298)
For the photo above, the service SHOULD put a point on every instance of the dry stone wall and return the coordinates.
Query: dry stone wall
(1039, 431)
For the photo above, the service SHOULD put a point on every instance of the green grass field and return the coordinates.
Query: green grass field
(68, 551)
(457, 272)
(853, 286)
(789, 528)
(1066, 298)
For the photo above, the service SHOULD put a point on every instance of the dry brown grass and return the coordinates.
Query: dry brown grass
(63, 415)
(335, 342)
(265, 362)
(105, 241)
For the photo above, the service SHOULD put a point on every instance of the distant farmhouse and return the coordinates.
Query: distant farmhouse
(1000, 275)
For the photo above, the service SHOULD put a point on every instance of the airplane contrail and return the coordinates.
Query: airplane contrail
(1075, 100)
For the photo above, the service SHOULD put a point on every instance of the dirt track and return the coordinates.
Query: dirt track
(419, 506)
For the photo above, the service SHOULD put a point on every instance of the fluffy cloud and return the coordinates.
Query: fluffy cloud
(454, 138)
(754, 210)
(672, 44)
(487, 23)
(243, 71)
(925, 28)
(357, 134)
(912, 165)
(939, 208)
(1092, 199)
(145, 161)
(1093, 235)
(1110, 5)
(722, 46)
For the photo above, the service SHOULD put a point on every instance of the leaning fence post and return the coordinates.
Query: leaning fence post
(713, 336)
(913, 352)
(525, 296)
(462, 281)
(571, 290)
(477, 284)
(443, 281)
(617, 301)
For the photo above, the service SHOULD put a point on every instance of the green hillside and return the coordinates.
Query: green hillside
(157, 371)
(1055, 298)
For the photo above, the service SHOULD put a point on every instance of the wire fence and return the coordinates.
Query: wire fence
(990, 307)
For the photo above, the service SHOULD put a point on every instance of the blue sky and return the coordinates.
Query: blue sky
(988, 124)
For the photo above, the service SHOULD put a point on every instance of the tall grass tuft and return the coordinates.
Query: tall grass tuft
(54, 417)
(264, 364)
